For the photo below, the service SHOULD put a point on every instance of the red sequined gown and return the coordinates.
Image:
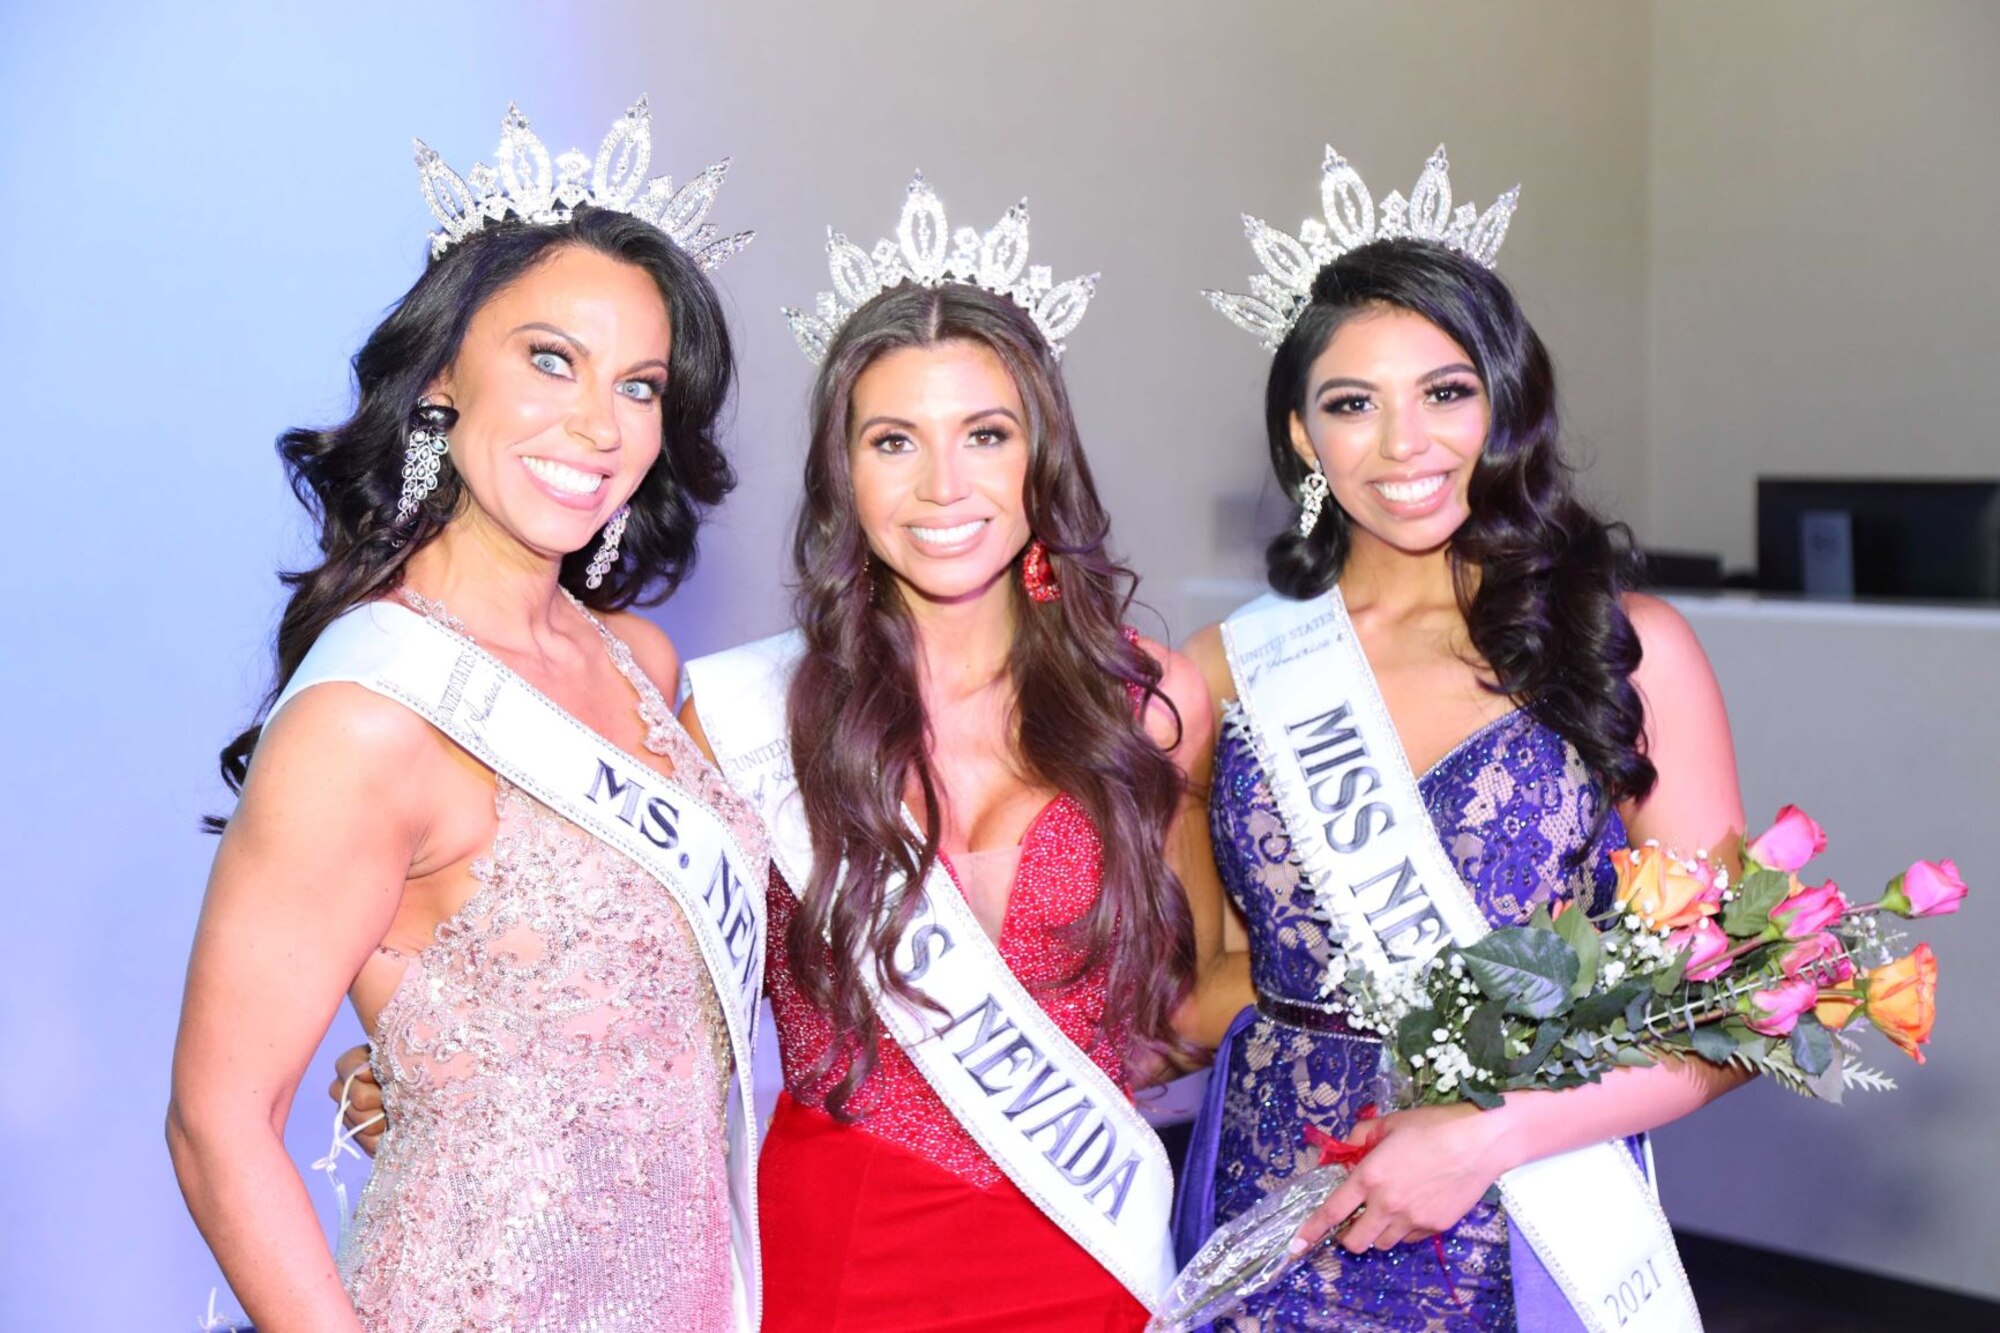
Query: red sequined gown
(900, 1221)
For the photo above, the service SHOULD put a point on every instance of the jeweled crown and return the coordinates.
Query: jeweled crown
(1282, 291)
(926, 251)
(532, 187)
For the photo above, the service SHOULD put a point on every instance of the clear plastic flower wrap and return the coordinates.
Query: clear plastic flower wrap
(1246, 1255)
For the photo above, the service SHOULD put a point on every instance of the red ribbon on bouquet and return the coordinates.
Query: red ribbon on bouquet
(1339, 1152)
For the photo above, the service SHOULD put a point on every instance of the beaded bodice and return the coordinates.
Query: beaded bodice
(1055, 884)
(555, 1065)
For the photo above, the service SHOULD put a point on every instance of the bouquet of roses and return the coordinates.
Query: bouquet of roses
(1769, 974)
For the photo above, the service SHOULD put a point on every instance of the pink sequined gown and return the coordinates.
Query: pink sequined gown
(555, 1067)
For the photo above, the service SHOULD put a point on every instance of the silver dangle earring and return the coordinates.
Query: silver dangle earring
(607, 551)
(424, 456)
(1312, 498)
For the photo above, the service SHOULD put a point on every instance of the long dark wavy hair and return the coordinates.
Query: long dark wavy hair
(860, 737)
(1538, 573)
(349, 476)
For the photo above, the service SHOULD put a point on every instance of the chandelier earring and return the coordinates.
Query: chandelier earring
(1312, 498)
(423, 456)
(607, 551)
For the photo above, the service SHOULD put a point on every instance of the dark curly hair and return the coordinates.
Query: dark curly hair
(860, 737)
(1538, 573)
(349, 477)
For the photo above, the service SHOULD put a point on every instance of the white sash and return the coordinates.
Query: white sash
(519, 733)
(1047, 1115)
(1365, 840)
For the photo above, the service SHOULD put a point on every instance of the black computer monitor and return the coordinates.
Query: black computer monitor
(1879, 538)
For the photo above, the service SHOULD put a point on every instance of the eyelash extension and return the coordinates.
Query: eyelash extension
(1464, 388)
(536, 349)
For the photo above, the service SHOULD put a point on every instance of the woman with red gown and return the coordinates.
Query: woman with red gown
(970, 725)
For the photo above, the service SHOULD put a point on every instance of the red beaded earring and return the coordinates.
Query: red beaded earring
(1038, 576)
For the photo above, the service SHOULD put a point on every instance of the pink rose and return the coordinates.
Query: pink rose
(1789, 843)
(1807, 912)
(1706, 947)
(1775, 1012)
(1820, 957)
(1928, 888)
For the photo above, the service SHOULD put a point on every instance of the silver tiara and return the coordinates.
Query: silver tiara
(1284, 288)
(530, 187)
(997, 261)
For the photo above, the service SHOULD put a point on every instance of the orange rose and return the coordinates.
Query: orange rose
(1835, 1008)
(1902, 999)
(1663, 892)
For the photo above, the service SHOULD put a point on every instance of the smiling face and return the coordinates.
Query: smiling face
(938, 454)
(1397, 416)
(557, 388)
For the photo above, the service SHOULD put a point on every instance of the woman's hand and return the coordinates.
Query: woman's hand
(1424, 1171)
(364, 1098)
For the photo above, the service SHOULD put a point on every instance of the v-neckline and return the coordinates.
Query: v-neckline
(1014, 884)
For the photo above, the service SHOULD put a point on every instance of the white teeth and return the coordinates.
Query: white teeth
(947, 536)
(563, 477)
(1409, 492)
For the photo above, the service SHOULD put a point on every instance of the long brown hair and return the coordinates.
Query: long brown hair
(859, 734)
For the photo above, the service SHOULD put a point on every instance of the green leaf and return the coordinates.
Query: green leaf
(1674, 971)
(1632, 1057)
(1575, 928)
(1712, 1043)
(1486, 1036)
(1479, 1097)
(1812, 1046)
(1530, 971)
(1756, 894)
(1594, 1012)
(1413, 1034)
(1636, 1010)
(1547, 1037)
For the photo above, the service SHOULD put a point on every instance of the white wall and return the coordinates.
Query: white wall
(1824, 294)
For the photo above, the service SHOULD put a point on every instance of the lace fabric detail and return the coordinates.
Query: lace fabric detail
(556, 1068)
(1514, 806)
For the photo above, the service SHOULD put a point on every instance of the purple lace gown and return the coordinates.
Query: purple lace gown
(1511, 804)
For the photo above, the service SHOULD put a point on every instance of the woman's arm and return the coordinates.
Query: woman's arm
(1430, 1165)
(306, 883)
(1222, 952)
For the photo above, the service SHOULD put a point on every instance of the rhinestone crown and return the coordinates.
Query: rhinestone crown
(531, 187)
(1352, 220)
(997, 261)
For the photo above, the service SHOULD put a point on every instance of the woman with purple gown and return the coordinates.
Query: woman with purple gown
(1550, 714)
